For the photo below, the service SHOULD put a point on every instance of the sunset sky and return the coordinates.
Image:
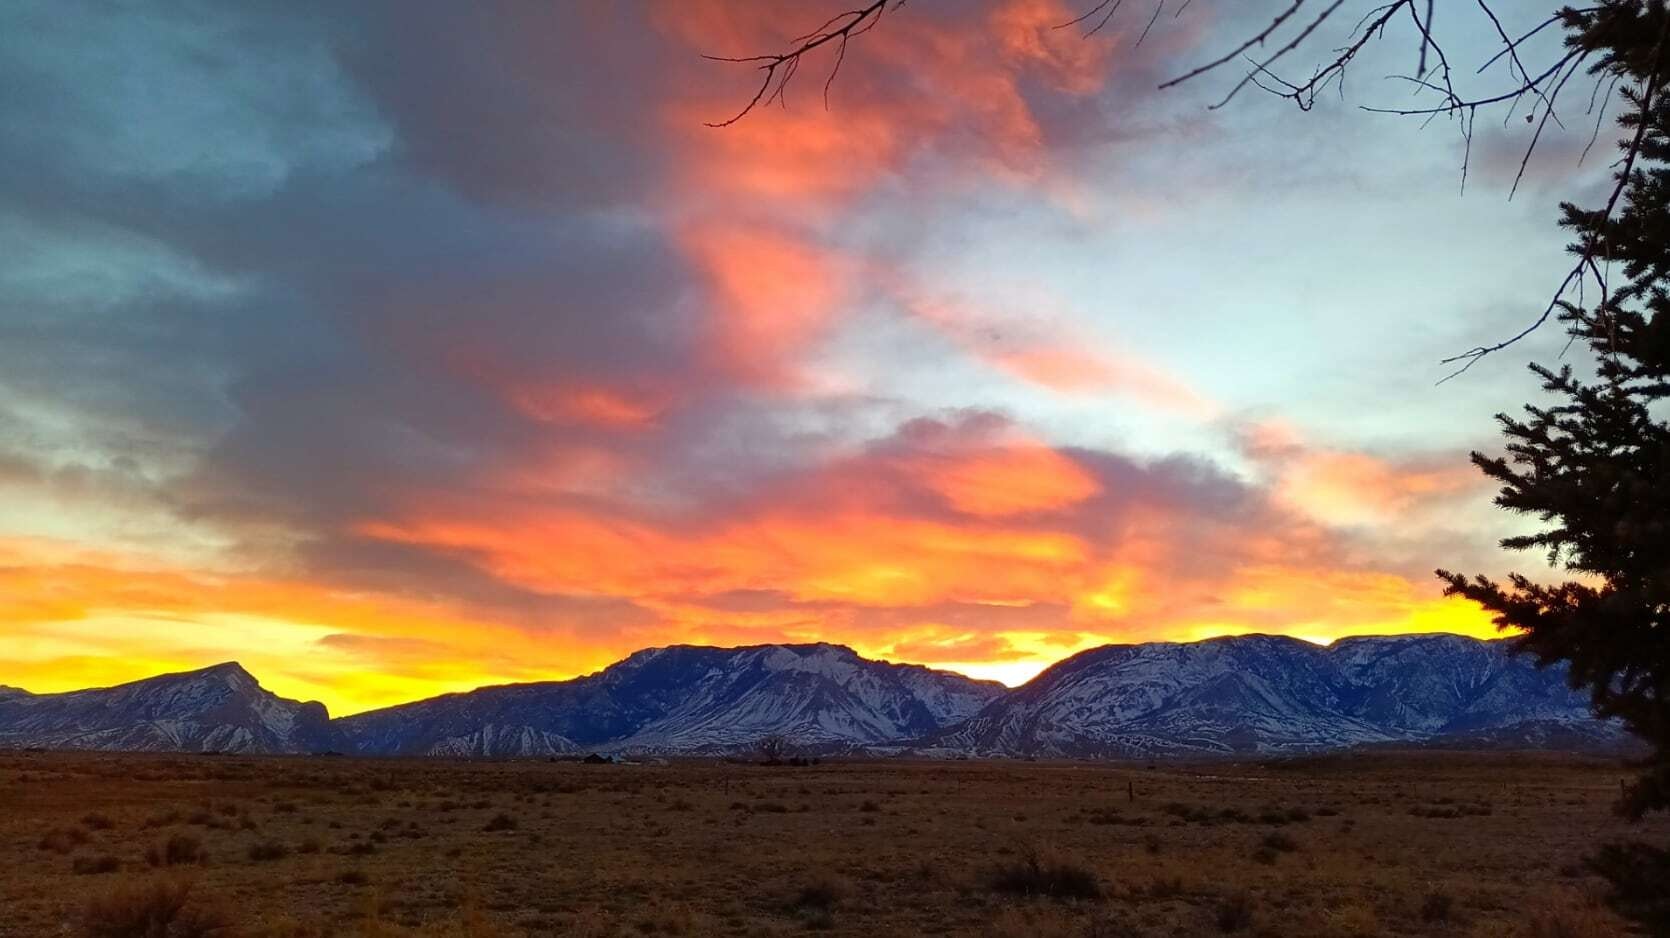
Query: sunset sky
(399, 348)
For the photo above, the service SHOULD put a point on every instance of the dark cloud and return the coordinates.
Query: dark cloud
(490, 104)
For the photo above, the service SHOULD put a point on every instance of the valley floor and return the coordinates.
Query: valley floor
(1411, 844)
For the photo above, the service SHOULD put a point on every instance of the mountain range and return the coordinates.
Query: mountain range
(1243, 695)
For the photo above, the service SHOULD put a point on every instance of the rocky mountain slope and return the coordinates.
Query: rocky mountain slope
(218, 709)
(686, 699)
(1270, 694)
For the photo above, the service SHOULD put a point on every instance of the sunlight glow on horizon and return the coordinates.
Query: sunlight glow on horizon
(387, 394)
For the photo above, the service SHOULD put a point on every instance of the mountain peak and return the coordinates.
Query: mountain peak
(220, 708)
(1274, 694)
(228, 672)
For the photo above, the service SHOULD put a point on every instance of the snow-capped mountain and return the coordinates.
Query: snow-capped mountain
(686, 698)
(217, 709)
(1270, 694)
(1250, 694)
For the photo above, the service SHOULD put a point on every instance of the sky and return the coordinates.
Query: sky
(396, 348)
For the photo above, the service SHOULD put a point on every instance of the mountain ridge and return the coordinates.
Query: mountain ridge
(1233, 695)
(220, 708)
(686, 698)
(1263, 694)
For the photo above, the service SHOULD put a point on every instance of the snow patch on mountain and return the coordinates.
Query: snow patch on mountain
(217, 709)
(686, 698)
(1256, 694)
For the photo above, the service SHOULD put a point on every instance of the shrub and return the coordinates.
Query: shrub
(167, 819)
(98, 822)
(825, 892)
(1279, 842)
(353, 878)
(500, 822)
(1036, 875)
(267, 851)
(63, 840)
(91, 866)
(1437, 907)
(1113, 817)
(814, 905)
(1165, 887)
(1640, 879)
(171, 909)
(176, 850)
(1235, 912)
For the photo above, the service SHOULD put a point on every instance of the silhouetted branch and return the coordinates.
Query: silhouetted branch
(1287, 34)
(1587, 260)
(1106, 8)
(779, 68)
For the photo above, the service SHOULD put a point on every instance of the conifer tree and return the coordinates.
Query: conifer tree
(1594, 467)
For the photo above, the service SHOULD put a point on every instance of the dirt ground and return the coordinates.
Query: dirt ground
(1398, 844)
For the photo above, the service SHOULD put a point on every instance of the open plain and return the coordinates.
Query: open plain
(1362, 844)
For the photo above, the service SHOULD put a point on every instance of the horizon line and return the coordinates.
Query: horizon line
(956, 668)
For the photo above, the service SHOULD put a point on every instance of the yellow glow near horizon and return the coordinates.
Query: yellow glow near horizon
(73, 620)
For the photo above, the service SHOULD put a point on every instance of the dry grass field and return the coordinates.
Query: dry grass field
(1414, 844)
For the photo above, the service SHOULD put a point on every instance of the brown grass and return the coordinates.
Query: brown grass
(176, 850)
(400, 849)
(159, 909)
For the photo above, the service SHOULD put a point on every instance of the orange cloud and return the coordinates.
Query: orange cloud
(1060, 361)
(759, 198)
(965, 545)
(956, 543)
(921, 83)
(1013, 480)
(771, 293)
(858, 558)
(1355, 488)
(597, 406)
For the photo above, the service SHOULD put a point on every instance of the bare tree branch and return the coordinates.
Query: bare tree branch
(1434, 75)
(778, 69)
